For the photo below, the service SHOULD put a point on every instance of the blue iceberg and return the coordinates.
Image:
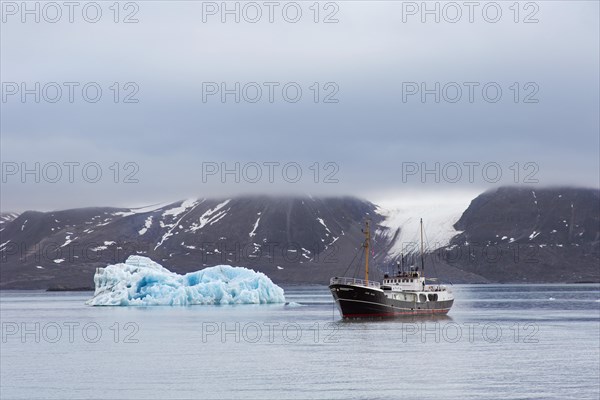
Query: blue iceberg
(142, 282)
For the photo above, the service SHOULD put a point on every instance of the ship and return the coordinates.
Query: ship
(406, 293)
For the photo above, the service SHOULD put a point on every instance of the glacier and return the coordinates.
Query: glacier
(139, 281)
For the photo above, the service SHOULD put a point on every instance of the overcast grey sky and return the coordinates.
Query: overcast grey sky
(374, 141)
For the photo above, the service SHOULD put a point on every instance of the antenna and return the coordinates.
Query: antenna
(367, 240)
(422, 259)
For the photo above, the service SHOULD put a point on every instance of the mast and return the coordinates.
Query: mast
(422, 260)
(401, 262)
(367, 240)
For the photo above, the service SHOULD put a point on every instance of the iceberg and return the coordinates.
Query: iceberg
(142, 282)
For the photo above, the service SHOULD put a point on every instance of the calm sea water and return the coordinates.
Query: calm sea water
(498, 342)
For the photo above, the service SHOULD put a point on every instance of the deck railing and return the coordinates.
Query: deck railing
(354, 281)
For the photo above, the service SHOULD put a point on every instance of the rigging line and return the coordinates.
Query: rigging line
(432, 257)
(354, 258)
(376, 250)
(358, 268)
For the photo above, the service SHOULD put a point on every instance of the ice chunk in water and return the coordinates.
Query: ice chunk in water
(142, 282)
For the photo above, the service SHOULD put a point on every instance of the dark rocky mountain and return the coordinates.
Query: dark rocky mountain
(530, 235)
(305, 239)
(290, 239)
(6, 218)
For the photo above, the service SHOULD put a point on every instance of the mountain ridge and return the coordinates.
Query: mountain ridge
(305, 239)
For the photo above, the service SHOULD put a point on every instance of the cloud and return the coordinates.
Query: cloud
(364, 61)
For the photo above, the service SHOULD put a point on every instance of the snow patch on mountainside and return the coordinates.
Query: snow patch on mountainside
(68, 239)
(147, 225)
(210, 217)
(185, 205)
(438, 220)
(185, 208)
(253, 233)
(323, 223)
(141, 210)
